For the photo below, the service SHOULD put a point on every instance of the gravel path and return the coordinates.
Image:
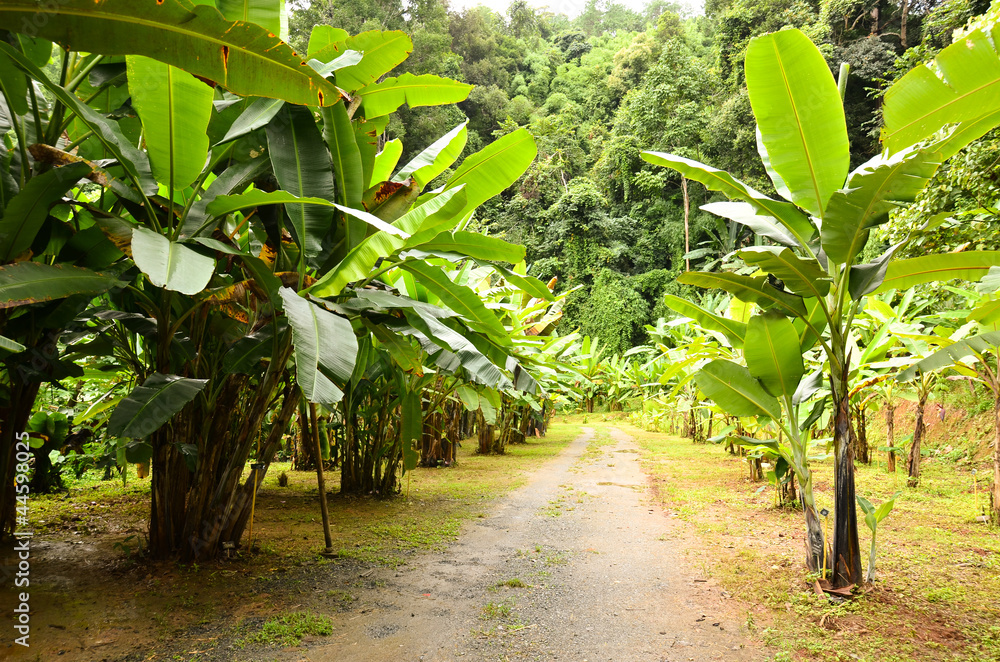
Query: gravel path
(576, 565)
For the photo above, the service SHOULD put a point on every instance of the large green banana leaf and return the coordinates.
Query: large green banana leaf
(171, 265)
(7, 345)
(732, 387)
(269, 14)
(733, 330)
(382, 52)
(262, 110)
(234, 178)
(434, 160)
(745, 214)
(433, 216)
(347, 168)
(34, 282)
(803, 276)
(468, 356)
(14, 87)
(754, 290)
(873, 190)
(475, 245)
(946, 356)
(962, 84)
(772, 353)
(325, 348)
(302, 167)
(152, 404)
(27, 211)
(493, 168)
(459, 298)
(385, 161)
(241, 57)
(134, 161)
(226, 204)
(425, 90)
(903, 274)
(800, 118)
(175, 108)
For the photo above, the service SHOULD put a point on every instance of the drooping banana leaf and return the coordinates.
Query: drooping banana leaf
(152, 404)
(424, 90)
(27, 211)
(325, 348)
(241, 57)
(23, 283)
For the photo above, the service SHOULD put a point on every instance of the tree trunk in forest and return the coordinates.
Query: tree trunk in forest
(995, 506)
(168, 489)
(913, 466)
(904, 13)
(15, 419)
(305, 455)
(890, 435)
(846, 561)
(590, 404)
(238, 512)
(788, 495)
(24, 374)
(687, 216)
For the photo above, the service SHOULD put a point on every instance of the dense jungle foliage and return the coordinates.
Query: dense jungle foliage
(191, 238)
(597, 89)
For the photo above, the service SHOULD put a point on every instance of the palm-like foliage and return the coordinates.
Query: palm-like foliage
(812, 284)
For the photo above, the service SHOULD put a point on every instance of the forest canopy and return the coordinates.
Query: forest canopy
(597, 89)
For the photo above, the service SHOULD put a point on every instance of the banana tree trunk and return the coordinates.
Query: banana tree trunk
(814, 527)
(913, 467)
(15, 419)
(485, 436)
(890, 435)
(995, 510)
(861, 448)
(170, 479)
(846, 559)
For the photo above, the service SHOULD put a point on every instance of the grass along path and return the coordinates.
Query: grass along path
(95, 597)
(938, 570)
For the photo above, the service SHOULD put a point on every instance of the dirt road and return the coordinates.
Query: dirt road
(576, 565)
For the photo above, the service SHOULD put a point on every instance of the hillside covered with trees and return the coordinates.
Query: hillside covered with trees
(598, 89)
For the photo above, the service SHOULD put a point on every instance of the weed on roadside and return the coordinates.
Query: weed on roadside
(288, 630)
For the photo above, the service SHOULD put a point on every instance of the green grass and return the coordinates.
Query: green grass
(288, 630)
(428, 515)
(495, 610)
(937, 569)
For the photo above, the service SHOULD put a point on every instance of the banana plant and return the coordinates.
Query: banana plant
(811, 275)
(974, 357)
(873, 517)
(243, 227)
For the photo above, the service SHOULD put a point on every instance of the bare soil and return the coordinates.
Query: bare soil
(577, 564)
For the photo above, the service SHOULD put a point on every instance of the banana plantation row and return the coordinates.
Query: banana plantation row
(205, 234)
